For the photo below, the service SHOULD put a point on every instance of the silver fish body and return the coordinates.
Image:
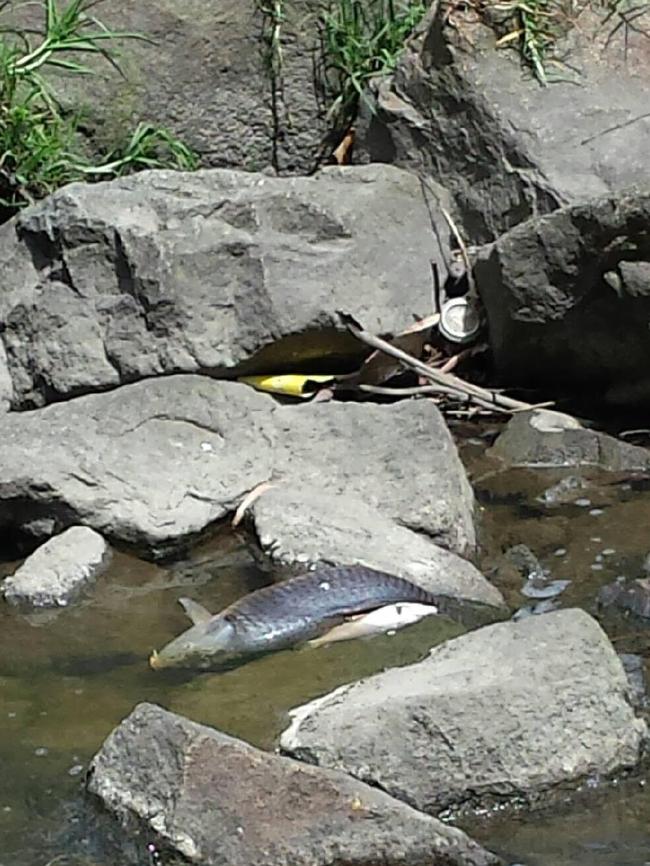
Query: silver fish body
(284, 615)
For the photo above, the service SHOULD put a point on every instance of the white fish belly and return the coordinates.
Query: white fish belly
(392, 617)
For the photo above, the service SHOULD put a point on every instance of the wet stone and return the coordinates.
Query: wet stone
(59, 570)
(632, 595)
(217, 801)
(542, 438)
(512, 712)
(635, 670)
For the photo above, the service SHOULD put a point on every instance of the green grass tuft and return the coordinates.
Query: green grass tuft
(534, 27)
(38, 139)
(362, 39)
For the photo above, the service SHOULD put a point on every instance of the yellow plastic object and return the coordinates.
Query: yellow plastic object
(291, 384)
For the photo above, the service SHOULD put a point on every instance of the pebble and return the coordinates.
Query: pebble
(550, 590)
(595, 512)
(597, 567)
(583, 503)
(41, 751)
(608, 551)
(75, 769)
(560, 551)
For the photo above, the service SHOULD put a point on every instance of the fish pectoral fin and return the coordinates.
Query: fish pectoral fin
(196, 612)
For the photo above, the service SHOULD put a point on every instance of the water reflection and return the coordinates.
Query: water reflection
(66, 681)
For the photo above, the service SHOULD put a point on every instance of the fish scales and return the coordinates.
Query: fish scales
(307, 604)
(285, 614)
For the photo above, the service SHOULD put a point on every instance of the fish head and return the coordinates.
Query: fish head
(203, 646)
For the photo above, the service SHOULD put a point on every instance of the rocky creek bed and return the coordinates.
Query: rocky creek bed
(70, 675)
(513, 728)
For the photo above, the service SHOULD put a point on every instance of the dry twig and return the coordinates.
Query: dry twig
(442, 383)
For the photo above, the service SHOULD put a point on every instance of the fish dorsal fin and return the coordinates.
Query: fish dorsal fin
(196, 612)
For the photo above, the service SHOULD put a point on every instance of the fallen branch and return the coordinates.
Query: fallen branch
(443, 383)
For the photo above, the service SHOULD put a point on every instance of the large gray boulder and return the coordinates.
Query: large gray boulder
(542, 438)
(312, 528)
(567, 298)
(157, 462)
(167, 272)
(58, 570)
(205, 74)
(472, 118)
(510, 712)
(216, 801)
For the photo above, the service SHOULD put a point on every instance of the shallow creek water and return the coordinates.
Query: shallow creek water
(66, 681)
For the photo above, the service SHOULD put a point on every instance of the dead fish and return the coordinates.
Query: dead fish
(294, 612)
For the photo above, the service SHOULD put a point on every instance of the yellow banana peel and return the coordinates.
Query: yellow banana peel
(291, 384)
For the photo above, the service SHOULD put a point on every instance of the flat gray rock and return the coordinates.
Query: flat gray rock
(217, 801)
(478, 122)
(305, 526)
(167, 272)
(156, 462)
(544, 439)
(509, 712)
(58, 570)
(147, 464)
(382, 454)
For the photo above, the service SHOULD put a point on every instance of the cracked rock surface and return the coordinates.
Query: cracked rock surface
(498, 141)
(156, 462)
(217, 801)
(167, 272)
(508, 712)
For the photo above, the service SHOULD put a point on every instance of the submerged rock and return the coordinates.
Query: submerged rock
(564, 491)
(635, 670)
(510, 712)
(632, 595)
(309, 527)
(167, 272)
(538, 580)
(543, 438)
(156, 462)
(58, 570)
(217, 801)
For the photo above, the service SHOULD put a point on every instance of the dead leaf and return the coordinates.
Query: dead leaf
(343, 153)
(379, 367)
